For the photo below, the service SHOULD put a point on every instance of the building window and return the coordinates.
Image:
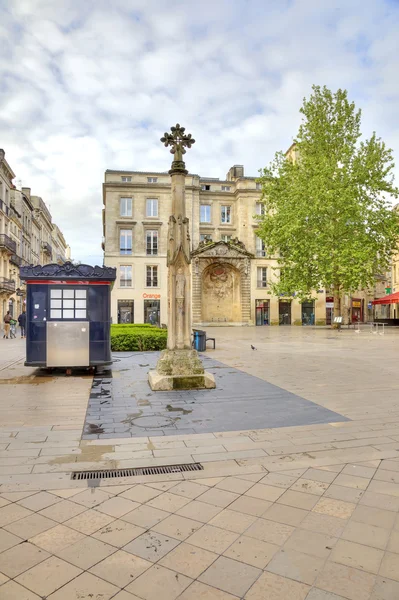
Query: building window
(152, 276)
(258, 186)
(226, 188)
(126, 179)
(225, 214)
(152, 207)
(151, 242)
(126, 241)
(205, 237)
(260, 247)
(125, 311)
(260, 208)
(125, 277)
(152, 179)
(225, 238)
(206, 188)
(125, 207)
(262, 277)
(205, 213)
(152, 312)
(68, 304)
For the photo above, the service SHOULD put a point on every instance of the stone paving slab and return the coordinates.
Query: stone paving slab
(122, 404)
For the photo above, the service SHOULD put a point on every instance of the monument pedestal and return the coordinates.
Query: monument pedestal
(180, 370)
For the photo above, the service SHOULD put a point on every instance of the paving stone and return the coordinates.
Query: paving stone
(250, 506)
(62, 511)
(252, 551)
(334, 508)
(30, 526)
(13, 591)
(118, 533)
(151, 546)
(140, 493)
(56, 538)
(390, 566)
(177, 527)
(145, 516)
(275, 587)
(86, 586)
(385, 589)
(374, 516)
(48, 576)
(270, 531)
(38, 501)
(309, 486)
(11, 513)
(168, 502)
(295, 565)
(311, 542)
(285, 514)
(159, 582)
(117, 506)
(212, 539)
(200, 591)
(347, 494)
(188, 560)
(298, 499)
(353, 584)
(91, 498)
(86, 553)
(8, 540)
(89, 521)
(356, 555)
(121, 568)
(218, 497)
(20, 558)
(370, 535)
(230, 576)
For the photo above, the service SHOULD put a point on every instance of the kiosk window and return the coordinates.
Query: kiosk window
(68, 304)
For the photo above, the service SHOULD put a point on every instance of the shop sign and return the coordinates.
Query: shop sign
(356, 304)
(153, 296)
(329, 304)
(370, 305)
(388, 290)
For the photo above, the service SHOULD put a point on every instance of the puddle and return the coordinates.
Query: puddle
(143, 403)
(31, 379)
(92, 428)
(183, 411)
(131, 417)
(88, 453)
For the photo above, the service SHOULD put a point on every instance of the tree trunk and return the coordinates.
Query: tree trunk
(337, 306)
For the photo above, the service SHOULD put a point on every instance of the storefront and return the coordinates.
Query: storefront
(284, 312)
(125, 311)
(329, 309)
(357, 310)
(262, 312)
(308, 312)
(152, 309)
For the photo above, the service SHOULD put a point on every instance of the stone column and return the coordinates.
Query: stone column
(179, 367)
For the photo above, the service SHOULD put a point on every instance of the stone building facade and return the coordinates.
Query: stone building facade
(26, 231)
(231, 273)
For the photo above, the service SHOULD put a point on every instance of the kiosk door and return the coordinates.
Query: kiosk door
(68, 344)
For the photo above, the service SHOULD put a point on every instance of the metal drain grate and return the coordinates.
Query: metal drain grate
(111, 473)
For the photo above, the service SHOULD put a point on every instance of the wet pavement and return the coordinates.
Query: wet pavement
(122, 404)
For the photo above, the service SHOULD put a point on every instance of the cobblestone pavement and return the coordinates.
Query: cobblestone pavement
(122, 404)
(285, 513)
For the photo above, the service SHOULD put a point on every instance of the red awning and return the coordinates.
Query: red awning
(390, 299)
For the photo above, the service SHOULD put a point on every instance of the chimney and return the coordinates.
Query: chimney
(235, 172)
(26, 191)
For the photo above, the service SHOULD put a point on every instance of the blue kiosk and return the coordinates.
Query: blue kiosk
(68, 315)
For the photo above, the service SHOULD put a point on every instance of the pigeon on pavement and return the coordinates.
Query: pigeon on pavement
(253, 347)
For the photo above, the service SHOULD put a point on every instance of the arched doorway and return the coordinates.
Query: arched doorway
(221, 294)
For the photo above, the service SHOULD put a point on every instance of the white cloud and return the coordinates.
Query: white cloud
(93, 85)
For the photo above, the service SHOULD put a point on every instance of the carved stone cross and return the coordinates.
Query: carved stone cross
(178, 139)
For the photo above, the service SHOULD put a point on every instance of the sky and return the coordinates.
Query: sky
(90, 85)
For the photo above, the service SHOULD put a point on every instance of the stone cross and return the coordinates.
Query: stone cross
(178, 260)
(178, 139)
(179, 366)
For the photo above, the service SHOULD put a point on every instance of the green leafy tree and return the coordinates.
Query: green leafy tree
(327, 211)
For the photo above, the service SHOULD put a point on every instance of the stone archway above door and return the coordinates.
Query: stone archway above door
(221, 284)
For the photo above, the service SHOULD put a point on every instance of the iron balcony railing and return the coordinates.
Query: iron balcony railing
(7, 285)
(8, 243)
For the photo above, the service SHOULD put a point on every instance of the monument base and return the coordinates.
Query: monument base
(180, 370)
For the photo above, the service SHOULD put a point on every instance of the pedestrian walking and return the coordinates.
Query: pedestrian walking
(7, 320)
(22, 323)
(13, 329)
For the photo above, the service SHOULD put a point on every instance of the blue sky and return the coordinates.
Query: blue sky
(87, 86)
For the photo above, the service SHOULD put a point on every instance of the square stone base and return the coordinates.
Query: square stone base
(164, 383)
